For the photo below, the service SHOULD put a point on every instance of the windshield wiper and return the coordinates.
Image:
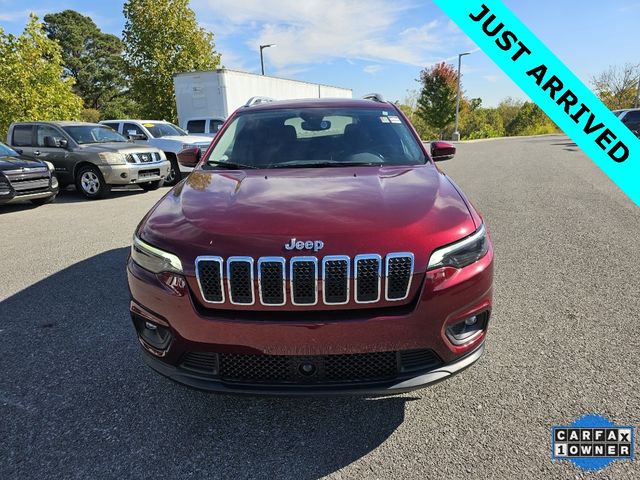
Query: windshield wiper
(230, 165)
(325, 164)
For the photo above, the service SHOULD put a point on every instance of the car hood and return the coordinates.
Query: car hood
(187, 139)
(351, 209)
(14, 163)
(116, 147)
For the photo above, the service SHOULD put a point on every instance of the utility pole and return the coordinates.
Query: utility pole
(638, 94)
(262, 47)
(456, 133)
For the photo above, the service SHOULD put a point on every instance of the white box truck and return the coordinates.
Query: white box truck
(205, 99)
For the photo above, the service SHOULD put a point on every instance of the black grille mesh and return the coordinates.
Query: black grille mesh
(367, 280)
(210, 280)
(360, 367)
(304, 282)
(240, 282)
(398, 276)
(254, 368)
(271, 283)
(336, 281)
(326, 369)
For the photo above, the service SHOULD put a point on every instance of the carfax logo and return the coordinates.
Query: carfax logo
(592, 442)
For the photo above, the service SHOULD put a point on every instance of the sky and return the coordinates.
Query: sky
(380, 45)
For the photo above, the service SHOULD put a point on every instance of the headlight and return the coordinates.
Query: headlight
(154, 259)
(461, 253)
(113, 158)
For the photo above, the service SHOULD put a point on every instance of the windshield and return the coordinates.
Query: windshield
(158, 130)
(316, 137)
(84, 134)
(6, 151)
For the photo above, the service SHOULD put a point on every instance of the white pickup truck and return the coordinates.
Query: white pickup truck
(164, 136)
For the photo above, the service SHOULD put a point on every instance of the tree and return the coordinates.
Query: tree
(530, 120)
(92, 58)
(32, 86)
(617, 87)
(162, 38)
(437, 102)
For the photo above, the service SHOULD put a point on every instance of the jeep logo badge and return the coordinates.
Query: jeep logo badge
(314, 245)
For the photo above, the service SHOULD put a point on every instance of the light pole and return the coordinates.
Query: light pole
(638, 94)
(262, 47)
(456, 133)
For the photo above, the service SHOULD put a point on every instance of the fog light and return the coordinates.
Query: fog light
(466, 330)
(152, 335)
(123, 175)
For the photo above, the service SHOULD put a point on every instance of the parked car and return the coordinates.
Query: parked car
(315, 248)
(631, 118)
(207, 127)
(164, 136)
(22, 178)
(89, 155)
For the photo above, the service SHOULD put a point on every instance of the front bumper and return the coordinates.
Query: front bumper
(399, 385)
(14, 197)
(133, 173)
(440, 302)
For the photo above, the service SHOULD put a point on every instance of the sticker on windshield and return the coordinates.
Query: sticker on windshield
(384, 119)
(394, 119)
(148, 125)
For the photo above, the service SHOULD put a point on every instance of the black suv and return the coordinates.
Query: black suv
(631, 118)
(22, 178)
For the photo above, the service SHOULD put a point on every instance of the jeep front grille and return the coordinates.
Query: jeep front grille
(299, 280)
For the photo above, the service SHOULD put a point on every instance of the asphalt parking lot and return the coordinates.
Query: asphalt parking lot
(76, 400)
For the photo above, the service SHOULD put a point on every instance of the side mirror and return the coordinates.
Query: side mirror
(442, 151)
(62, 143)
(189, 157)
(136, 136)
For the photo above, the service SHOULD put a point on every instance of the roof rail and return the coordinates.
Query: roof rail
(258, 100)
(376, 97)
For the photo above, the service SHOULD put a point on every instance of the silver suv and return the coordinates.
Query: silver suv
(91, 156)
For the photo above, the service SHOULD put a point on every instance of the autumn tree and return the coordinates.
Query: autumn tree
(163, 38)
(437, 101)
(92, 58)
(617, 87)
(32, 86)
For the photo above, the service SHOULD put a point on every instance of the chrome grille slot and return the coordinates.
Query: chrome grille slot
(335, 275)
(367, 273)
(240, 280)
(209, 276)
(271, 281)
(398, 273)
(304, 280)
(23, 185)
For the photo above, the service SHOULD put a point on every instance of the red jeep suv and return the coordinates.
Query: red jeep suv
(315, 248)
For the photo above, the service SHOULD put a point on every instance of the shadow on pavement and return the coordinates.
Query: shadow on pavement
(76, 400)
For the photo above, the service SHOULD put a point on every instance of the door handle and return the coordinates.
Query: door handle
(36, 152)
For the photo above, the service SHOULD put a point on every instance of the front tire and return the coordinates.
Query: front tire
(150, 186)
(174, 175)
(90, 182)
(43, 201)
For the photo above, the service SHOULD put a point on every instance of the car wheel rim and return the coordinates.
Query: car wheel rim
(171, 175)
(90, 182)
